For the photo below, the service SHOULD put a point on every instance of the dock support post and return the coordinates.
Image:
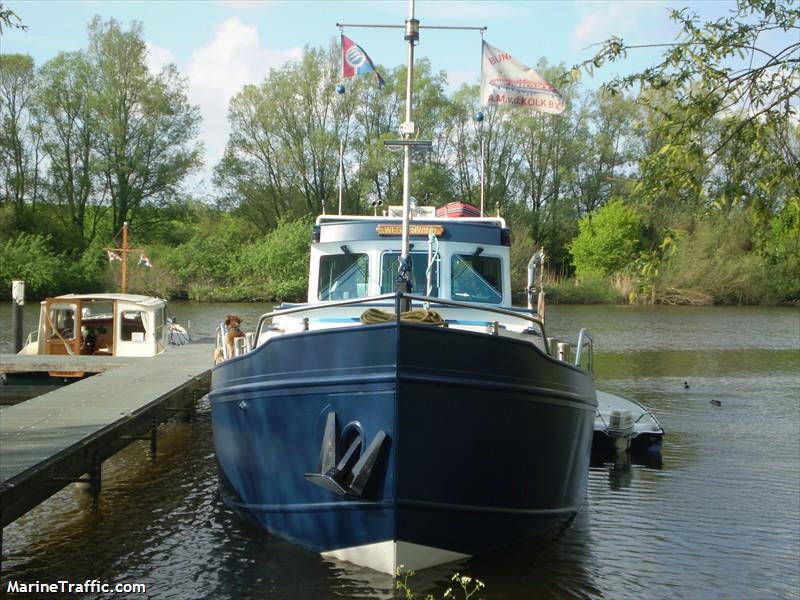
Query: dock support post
(153, 439)
(95, 480)
(191, 410)
(18, 301)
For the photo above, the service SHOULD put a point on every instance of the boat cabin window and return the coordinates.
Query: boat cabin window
(61, 322)
(390, 264)
(133, 326)
(476, 278)
(161, 332)
(97, 311)
(343, 276)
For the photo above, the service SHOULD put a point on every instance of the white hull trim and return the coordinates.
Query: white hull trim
(387, 556)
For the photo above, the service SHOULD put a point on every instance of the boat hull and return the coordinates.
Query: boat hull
(484, 440)
(646, 443)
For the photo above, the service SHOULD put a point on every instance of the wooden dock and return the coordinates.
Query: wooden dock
(64, 436)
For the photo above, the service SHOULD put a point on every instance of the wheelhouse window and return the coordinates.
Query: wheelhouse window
(343, 276)
(476, 278)
(133, 326)
(61, 322)
(97, 311)
(390, 265)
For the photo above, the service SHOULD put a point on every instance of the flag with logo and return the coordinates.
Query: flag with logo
(357, 62)
(112, 256)
(144, 261)
(506, 82)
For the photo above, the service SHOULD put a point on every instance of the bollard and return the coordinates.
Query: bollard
(18, 301)
(552, 346)
(563, 351)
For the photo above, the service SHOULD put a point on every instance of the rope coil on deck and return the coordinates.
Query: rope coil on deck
(425, 317)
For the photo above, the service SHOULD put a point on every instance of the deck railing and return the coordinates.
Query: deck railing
(397, 297)
(585, 341)
(584, 347)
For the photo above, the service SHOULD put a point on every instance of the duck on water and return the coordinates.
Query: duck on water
(407, 413)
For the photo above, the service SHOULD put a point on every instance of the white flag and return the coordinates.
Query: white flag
(112, 256)
(144, 261)
(506, 82)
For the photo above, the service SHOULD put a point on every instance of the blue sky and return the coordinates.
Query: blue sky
(221, 45)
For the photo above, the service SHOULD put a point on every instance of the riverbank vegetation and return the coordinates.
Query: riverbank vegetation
(684, 188)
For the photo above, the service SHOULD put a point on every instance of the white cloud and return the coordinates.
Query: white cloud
(233, 58)
(158, 57)
(599, 21)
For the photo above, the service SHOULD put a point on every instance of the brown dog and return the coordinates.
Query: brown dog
(232, 323)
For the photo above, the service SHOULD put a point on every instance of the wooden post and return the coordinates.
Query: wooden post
(18, 301)
(124, 284)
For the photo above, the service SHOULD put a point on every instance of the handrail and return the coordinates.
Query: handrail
(585, 339)
(219, 343)
(307, 307)
(490, 220)
(475, 305)
(396, 296)
(29, 340)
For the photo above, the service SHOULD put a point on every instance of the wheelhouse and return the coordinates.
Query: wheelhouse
(464, 259)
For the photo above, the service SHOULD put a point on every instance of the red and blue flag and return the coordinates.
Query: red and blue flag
(357, 62)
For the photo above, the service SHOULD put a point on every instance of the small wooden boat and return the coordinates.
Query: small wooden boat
(124, 325)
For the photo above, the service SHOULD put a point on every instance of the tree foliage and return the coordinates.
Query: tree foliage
(278, 264)
(726, 69)
(607, 241)
(19, 137)
(70, 135)
(9, 19)
(145, 123)
(649, 183)
(28, 257)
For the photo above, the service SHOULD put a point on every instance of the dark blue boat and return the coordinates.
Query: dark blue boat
(389, 428)
(403, 442)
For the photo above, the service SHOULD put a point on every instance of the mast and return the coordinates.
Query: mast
(124, 257)
(407, 130)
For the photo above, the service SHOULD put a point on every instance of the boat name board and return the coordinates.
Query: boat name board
(412, 229)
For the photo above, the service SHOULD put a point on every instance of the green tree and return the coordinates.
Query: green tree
(19, 138)
(282, 156)
(68, 124)
(277, 266)
(28, 257)
(608, 240)
(608, 149)
(726, 67)
(145, 124)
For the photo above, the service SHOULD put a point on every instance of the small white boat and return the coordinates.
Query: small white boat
(125, 325)
(622, 425)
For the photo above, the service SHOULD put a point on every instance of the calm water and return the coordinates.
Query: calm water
(719, 519)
